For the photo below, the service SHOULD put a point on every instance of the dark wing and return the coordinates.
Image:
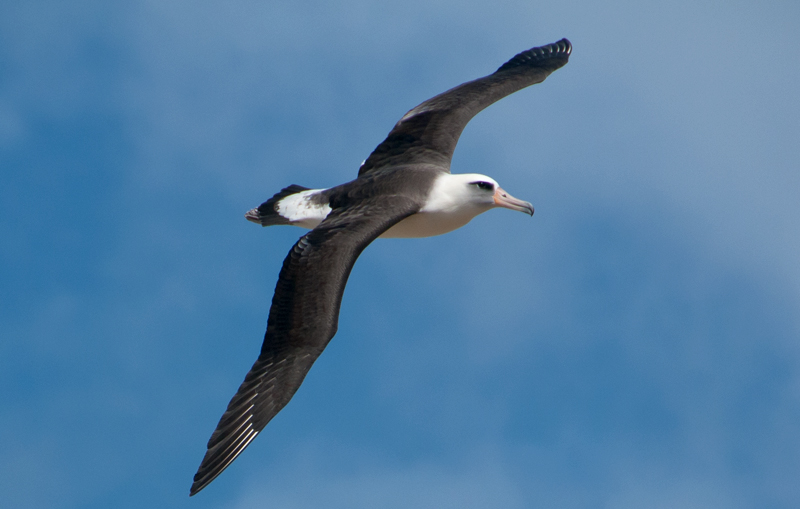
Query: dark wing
(302, 320)
(429, 132)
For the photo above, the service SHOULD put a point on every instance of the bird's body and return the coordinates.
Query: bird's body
(443, 208)
(404, 189)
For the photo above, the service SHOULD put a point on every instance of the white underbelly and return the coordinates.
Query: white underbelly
(427, 224)
(421, 224)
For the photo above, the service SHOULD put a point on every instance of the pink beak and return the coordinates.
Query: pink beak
(503, 199)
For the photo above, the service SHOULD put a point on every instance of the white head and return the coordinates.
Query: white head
(471, 193)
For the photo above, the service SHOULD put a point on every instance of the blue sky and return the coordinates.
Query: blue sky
(634, 344)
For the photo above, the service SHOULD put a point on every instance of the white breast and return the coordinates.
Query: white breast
(428, 224)
(451, 204)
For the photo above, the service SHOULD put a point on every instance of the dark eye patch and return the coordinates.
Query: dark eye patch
(488, 186)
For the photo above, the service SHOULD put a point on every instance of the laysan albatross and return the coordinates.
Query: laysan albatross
(404, 189)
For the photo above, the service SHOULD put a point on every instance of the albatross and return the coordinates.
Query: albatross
(403, 189)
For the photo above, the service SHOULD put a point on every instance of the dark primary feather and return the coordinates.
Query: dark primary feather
(429, 133)
(302, 320)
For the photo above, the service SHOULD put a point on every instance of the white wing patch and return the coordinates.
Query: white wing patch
(301, 211)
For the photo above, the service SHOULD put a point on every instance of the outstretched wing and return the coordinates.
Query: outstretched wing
(302, 320)
(429, 133)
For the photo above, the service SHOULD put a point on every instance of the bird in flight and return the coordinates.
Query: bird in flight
(403, 189)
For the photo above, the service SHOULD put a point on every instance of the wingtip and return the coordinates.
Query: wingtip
(195, 489)
(199, 482)
(564, 46)
(551, 56)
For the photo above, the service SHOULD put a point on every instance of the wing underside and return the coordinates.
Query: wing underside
(302, 320)
(429, 133)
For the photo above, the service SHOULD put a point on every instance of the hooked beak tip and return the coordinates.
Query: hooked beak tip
(505, 200)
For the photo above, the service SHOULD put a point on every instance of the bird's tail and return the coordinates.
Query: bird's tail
(266, 215)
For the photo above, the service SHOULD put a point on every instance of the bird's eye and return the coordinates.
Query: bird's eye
(487, 186)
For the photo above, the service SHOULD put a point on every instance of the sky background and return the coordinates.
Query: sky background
(634, 344)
